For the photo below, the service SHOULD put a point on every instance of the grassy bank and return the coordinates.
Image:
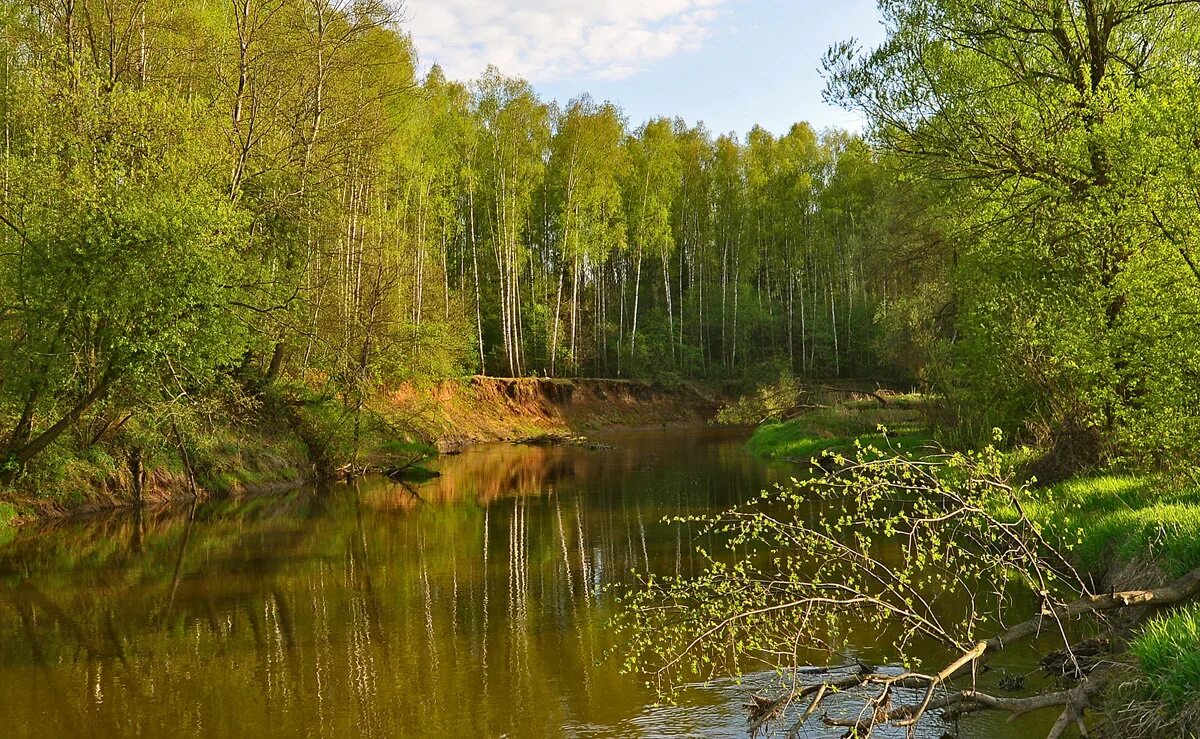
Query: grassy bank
(836, 428)
(239, 444)
(1133, 531)
(1106, 520)
(1125, 529)
(1109, 521)
(1168, 652)
(290, 434)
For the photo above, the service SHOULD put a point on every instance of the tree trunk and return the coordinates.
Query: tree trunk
(28, 451)
(637, 284)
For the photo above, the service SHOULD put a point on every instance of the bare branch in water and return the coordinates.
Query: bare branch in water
(884, 541)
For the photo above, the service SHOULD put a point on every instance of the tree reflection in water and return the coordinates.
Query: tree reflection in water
(473, 605)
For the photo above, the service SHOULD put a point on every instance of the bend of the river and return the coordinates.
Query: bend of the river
(473, 605)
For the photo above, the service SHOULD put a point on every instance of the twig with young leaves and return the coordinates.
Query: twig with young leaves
(892, 543)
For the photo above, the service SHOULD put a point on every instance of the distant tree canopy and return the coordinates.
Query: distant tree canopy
(265, 190)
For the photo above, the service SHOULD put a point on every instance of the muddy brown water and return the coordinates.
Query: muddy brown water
(470, 606)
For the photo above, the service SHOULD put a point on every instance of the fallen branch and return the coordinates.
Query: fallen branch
(951, 520)
(1073, 701)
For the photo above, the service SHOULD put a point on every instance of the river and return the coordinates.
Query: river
(473, 605)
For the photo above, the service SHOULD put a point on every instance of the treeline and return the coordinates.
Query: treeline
(209, 200)
(657, 251)
(1044, 218)
(232, 194)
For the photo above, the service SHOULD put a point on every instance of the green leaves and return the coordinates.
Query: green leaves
(1048, 144)
(126, 270)
(910, 550)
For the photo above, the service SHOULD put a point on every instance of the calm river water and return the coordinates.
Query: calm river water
(470, 606)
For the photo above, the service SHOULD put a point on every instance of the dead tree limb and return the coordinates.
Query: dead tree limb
(1073, 701)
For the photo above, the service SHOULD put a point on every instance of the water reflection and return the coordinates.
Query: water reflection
(469, 606)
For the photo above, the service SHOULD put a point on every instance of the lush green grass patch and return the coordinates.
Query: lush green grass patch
(835, 429)
(1168, 651)
(1111, 519)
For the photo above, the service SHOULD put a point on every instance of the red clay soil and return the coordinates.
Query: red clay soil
(454, 413)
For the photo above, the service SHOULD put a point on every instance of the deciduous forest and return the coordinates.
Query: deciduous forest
(235, 234)
(211, 194)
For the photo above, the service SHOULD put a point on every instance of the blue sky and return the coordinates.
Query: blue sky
(730, 63)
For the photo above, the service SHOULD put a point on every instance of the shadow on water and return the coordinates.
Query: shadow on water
(471, 605)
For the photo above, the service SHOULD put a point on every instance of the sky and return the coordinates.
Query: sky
(729, 63)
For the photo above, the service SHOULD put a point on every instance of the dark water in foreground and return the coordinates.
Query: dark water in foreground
(471, 606)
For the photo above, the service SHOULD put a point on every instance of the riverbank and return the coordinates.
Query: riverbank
(882, 420)
(1109, 520)
(1131, 531)
(452, 414)
(290, 436)
(1123, 530)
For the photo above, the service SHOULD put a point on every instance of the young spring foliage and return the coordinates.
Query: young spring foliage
(264, 194)
(920, 549)
(1048, 152)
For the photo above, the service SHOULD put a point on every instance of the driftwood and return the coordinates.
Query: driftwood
(1077, 660)
(411, 473)
(1080, 662)
(1073, 701)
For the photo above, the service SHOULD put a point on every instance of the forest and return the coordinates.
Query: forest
(239, 228)
(207, 196)
(200, 194)
(204, 195)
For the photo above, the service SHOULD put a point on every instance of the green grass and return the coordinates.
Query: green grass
(1103, 520)
(836, 429)
(1168, 652)
(1107, 520)
(7, 514)
(1111, 519)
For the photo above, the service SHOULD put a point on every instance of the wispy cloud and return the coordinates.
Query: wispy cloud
(548, 40)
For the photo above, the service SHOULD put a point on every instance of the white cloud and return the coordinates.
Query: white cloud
(547, 40)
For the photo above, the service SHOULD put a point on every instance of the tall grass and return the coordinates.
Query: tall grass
(1111, 519)
(1168, 651)
(836, 429)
